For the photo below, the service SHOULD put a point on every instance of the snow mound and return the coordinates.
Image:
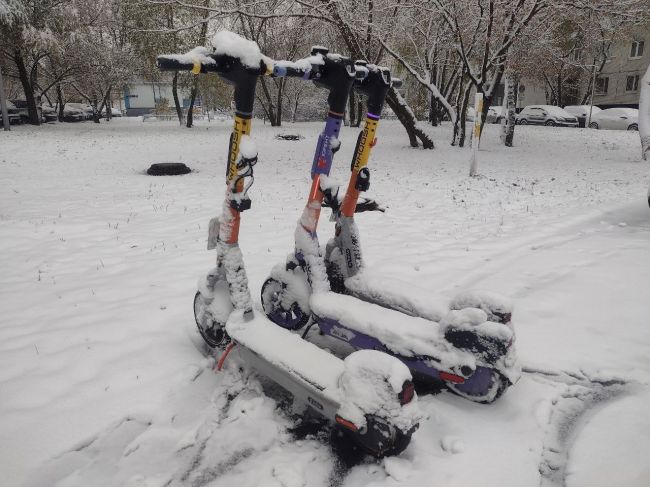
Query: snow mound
(495, 306)
(231, 44)
(247, 147)
(476, 319)
(370, 385)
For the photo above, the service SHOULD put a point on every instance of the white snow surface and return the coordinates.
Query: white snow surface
(247, 147)
(197, 55)
(231, 44)
(102, 379)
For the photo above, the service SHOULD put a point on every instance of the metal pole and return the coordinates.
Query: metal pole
(3, 105)
(591, 105)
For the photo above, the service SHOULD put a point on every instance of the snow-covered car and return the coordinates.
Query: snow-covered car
(546, 115)
(582, 112)
(72, 113)
(13, 113)
(85, 109)
(616, 119)
(493, 115)
(23, 111)
(115, 112)
(49, 114)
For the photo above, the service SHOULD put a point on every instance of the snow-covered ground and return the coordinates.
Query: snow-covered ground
(102, 379)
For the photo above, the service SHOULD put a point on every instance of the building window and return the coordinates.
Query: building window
(632, 83)
(637, 49)
(602, 84)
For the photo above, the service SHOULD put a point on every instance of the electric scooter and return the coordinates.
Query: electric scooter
(469, 348)
(368, 396)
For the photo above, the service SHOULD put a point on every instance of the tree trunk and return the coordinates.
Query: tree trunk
(408, 120)
(32, 111)
(268, 107)
(295, 110)
(463, 115)
(434, 111)
(96, 111)
(59, 97)
(278, 113)
(190, 110)
(107, 103)
(508, 123)
(352, 107)
(177, 103)
(357, 122)
(488, 97)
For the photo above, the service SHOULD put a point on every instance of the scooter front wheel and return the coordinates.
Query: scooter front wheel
(212, 331)
(484, 386)
(282, 311)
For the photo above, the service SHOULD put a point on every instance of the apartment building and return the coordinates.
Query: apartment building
(617, 85)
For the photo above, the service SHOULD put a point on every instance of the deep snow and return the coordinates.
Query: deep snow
(102, 380)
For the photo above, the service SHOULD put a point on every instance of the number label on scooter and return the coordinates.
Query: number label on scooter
(342, 333)
(314, 403)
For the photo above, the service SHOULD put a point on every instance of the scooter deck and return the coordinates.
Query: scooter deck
(401, 334)
(398, 295)
(305, 370)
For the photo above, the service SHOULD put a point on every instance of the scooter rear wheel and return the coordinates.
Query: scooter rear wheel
(290, 316)
(485, 386)
(212, 331)
(378, 439)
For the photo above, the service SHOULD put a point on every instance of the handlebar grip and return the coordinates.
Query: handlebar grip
(281, 71)
(172, 63)
(396, 83)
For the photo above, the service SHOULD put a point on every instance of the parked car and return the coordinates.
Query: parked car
(21, 105)
(49, 113)
(616, 119)
(85, 109)
(546, 115)
(582, 112)
(493, 115)
(13, 114)
(115, 112)
(72, 113)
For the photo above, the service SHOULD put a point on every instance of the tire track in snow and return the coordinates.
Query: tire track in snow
(569, 413)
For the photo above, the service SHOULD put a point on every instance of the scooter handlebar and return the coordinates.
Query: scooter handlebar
(172, 63)
(284, 71)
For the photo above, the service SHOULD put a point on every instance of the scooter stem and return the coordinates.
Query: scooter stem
(375, 86)
(337, 75)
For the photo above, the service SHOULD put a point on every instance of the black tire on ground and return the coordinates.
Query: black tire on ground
(634, 127)
(499, 385)
(213, 332)
(550, 123)
(593, 125)
(351, 447)
(523, 121)
(168, 169)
